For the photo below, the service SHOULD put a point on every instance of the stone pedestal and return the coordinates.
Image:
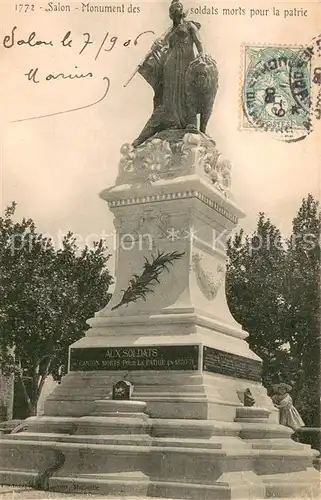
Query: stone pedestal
(186, 433)
(183, 351)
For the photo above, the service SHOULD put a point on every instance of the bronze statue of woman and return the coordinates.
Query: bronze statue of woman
(184, 85)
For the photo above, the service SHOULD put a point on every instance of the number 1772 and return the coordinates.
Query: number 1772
(24, 7)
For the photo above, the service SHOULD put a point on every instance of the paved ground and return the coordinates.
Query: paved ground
(16, 493)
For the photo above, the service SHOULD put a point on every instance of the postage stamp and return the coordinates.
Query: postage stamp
(276, 83)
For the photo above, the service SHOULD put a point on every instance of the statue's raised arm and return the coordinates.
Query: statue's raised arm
(184, 80)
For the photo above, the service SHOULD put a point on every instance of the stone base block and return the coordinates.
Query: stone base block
(293, 485)
(179, 394)
(185, 459)
(238, 485)
(121, 409)
(121, 484)
(26, 479)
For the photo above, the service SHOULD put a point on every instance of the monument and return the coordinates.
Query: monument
(198, 422)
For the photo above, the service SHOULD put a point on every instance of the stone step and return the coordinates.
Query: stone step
(276, 444)
(163, 489)
(141, 389)
(89, 425)
(169, 464)
(18, 447)
(156, 427)
(277, 486)
(133, 484)
(69, 445)
(174, 396)
(303, 485)
(263, 430)
(129, 439)
(192, 428)
(190, 491)
(25, 478)
(122, 484)
(103, 379)
(215, 442)
(72, 457)
(94, 454)
(283, 461)
(101, 425)
(295, 490)
(104, 412)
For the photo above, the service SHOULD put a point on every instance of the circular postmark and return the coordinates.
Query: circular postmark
(316, 80)
(276, 91)
(299, 78)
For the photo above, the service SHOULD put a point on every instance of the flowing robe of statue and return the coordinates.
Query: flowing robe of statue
(184, 85)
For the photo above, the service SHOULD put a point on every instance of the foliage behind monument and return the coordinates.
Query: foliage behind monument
(47, 296)
(273, 290)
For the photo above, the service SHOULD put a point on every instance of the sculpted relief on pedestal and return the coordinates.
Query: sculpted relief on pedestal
(208, 281)
(159, 159)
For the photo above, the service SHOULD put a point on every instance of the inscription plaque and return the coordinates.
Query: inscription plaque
(226, 363)
(182, 357)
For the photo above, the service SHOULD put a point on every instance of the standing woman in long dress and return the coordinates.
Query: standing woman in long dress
(171, 109)
(289, 415)
(181, 40)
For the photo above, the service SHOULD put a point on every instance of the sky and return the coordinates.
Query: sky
(55, 167)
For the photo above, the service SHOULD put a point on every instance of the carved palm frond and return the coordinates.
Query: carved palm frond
(141, 285)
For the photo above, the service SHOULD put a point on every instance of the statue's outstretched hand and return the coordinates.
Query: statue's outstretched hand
(158, 44)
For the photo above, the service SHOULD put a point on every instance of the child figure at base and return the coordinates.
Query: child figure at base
(289, 415)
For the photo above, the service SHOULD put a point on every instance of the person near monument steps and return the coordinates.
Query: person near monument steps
(289, 415)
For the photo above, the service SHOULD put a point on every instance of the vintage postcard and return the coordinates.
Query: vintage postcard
(160, 249)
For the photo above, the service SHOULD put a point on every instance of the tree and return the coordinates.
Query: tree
(273, 290)
(255, 271)
(303, 298)
(47, 296)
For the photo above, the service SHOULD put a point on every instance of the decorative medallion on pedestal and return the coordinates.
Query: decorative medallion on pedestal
(208, 281)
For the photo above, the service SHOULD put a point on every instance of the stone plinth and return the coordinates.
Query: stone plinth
(184, 352)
